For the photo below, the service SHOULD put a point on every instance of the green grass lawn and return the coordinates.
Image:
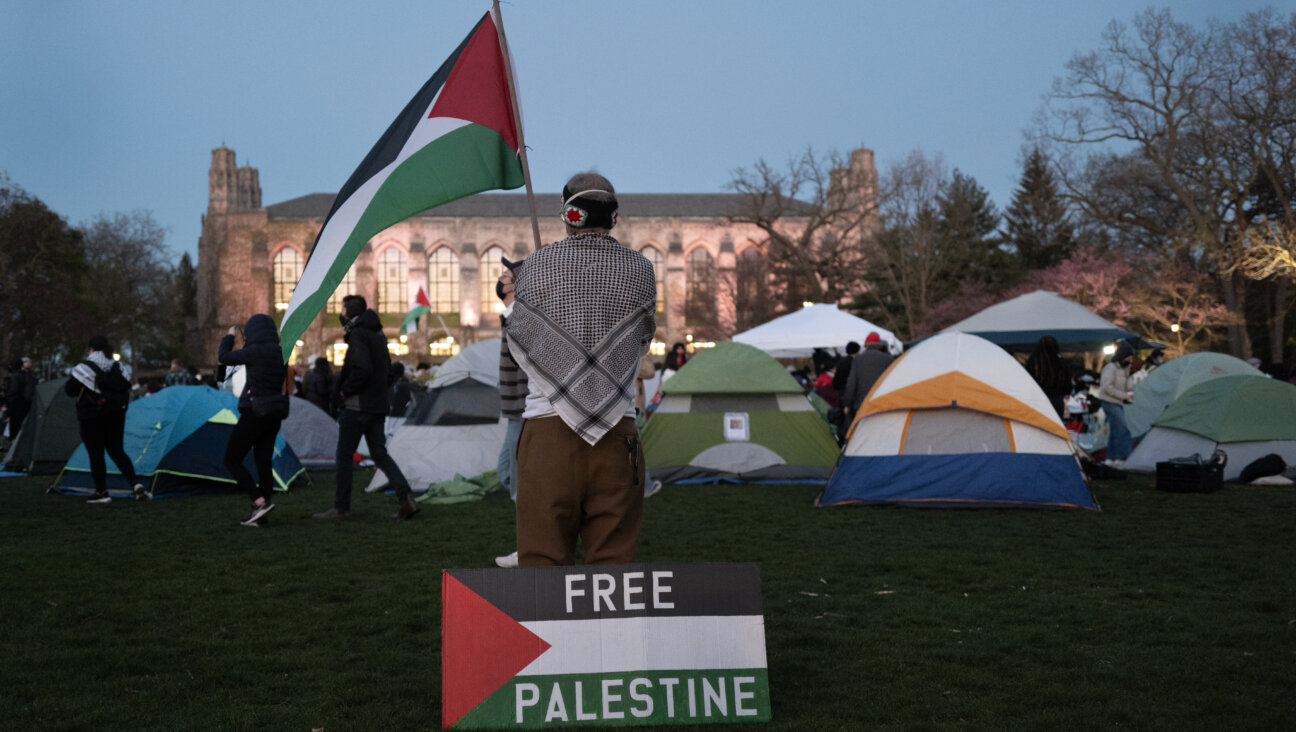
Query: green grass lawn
(1164, 611)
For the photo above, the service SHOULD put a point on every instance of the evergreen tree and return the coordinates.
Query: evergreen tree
(186, 285)
(1038, 223)
(968, 228)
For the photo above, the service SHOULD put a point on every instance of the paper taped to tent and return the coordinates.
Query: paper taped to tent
(456, 428)
(822, 325)
(1019, 323)
(176, 439)
(733, 414)
(958, 422)
(1246, 416)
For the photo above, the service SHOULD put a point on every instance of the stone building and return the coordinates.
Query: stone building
(250, 257)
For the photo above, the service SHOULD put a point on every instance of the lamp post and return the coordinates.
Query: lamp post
(1174, 328)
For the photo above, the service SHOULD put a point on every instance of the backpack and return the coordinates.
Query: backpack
(114, 390)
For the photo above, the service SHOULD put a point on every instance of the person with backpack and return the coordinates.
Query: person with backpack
(101, 387)
(263, 406)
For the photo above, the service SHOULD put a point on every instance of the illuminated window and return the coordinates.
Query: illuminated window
(287, 270)
(346, 287)
(658, 260)
(700, 297)
(443, 281)
(393, 282)
(753, 303)
(491, 269)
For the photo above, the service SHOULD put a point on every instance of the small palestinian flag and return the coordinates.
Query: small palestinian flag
(456, 137)
(421, 307)
(608, 645)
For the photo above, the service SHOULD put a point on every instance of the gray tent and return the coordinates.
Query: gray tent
(311, 433)
(49, 435)
(456, 427)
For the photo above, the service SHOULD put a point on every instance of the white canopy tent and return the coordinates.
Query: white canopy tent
(821, 325)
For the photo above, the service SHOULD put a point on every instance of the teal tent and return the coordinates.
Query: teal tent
(1170, 380)
(49, 434)
(176, 439)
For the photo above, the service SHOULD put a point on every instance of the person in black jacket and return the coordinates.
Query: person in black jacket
(318, 384)
(262, 357)
(362, 385)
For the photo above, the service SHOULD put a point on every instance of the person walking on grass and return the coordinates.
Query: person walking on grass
(101, 387)
(263, 406)
(362, 387)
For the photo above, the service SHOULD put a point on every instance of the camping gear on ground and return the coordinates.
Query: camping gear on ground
(49, 435)
(1247, 417)
(733, 414)
(958, 422)
(1019, 323)
(1171, 379)
(176, 440)
(1271, 464)
(456, 428)
(1192, 474)
(822, 325)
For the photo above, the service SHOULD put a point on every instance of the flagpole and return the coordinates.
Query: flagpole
(517, 121)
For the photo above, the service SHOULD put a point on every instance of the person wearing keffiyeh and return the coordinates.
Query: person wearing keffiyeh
(581, 319)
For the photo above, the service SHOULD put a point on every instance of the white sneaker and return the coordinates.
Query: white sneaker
(508, 561)
(1118, 464)
(100, 498)
(257, 513)
(654, 489)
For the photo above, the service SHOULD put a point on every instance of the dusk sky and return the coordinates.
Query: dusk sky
(116, 106)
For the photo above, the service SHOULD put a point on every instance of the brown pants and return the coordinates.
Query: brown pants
(568, 488)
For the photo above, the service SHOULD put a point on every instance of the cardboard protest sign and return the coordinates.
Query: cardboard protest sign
(627, 644)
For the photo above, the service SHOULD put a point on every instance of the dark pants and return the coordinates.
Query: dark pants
(103, 433)
(258, 435)
(353, 425)
(17, 412)
(569, 490)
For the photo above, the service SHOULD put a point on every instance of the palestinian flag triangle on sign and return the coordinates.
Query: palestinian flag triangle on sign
(617, 645)
(456, 137)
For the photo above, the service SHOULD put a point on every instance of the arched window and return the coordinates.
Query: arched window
(658, 260)
(393, 282)
(346, 287)
(753, 304)
(700, 297)
(287, 270)
(491, 269)
(443, 281)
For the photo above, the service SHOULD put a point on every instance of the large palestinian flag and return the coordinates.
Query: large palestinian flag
(608, 645)
(456, 137)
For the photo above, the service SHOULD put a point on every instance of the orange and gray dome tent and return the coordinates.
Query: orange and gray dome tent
(958, 422)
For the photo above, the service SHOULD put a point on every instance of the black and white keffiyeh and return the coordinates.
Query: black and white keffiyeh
(582, 317)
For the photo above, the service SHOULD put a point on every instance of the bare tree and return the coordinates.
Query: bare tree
(812, 217)
(133, 286)
(1195, 122)
(906, 265)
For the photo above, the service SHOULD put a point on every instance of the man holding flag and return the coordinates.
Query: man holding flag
(581, 318)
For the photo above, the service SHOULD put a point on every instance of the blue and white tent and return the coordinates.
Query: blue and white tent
(176, 439)
(957, 422)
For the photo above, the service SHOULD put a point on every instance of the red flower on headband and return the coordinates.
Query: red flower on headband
(575, 216)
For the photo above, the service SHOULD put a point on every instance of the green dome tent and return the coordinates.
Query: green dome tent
(1247, 417)
(733, 414)
(1171, 379)
(49, 435)
(176, 439)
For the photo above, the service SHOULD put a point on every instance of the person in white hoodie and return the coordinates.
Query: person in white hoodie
(101, 387)
(1115, 391)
